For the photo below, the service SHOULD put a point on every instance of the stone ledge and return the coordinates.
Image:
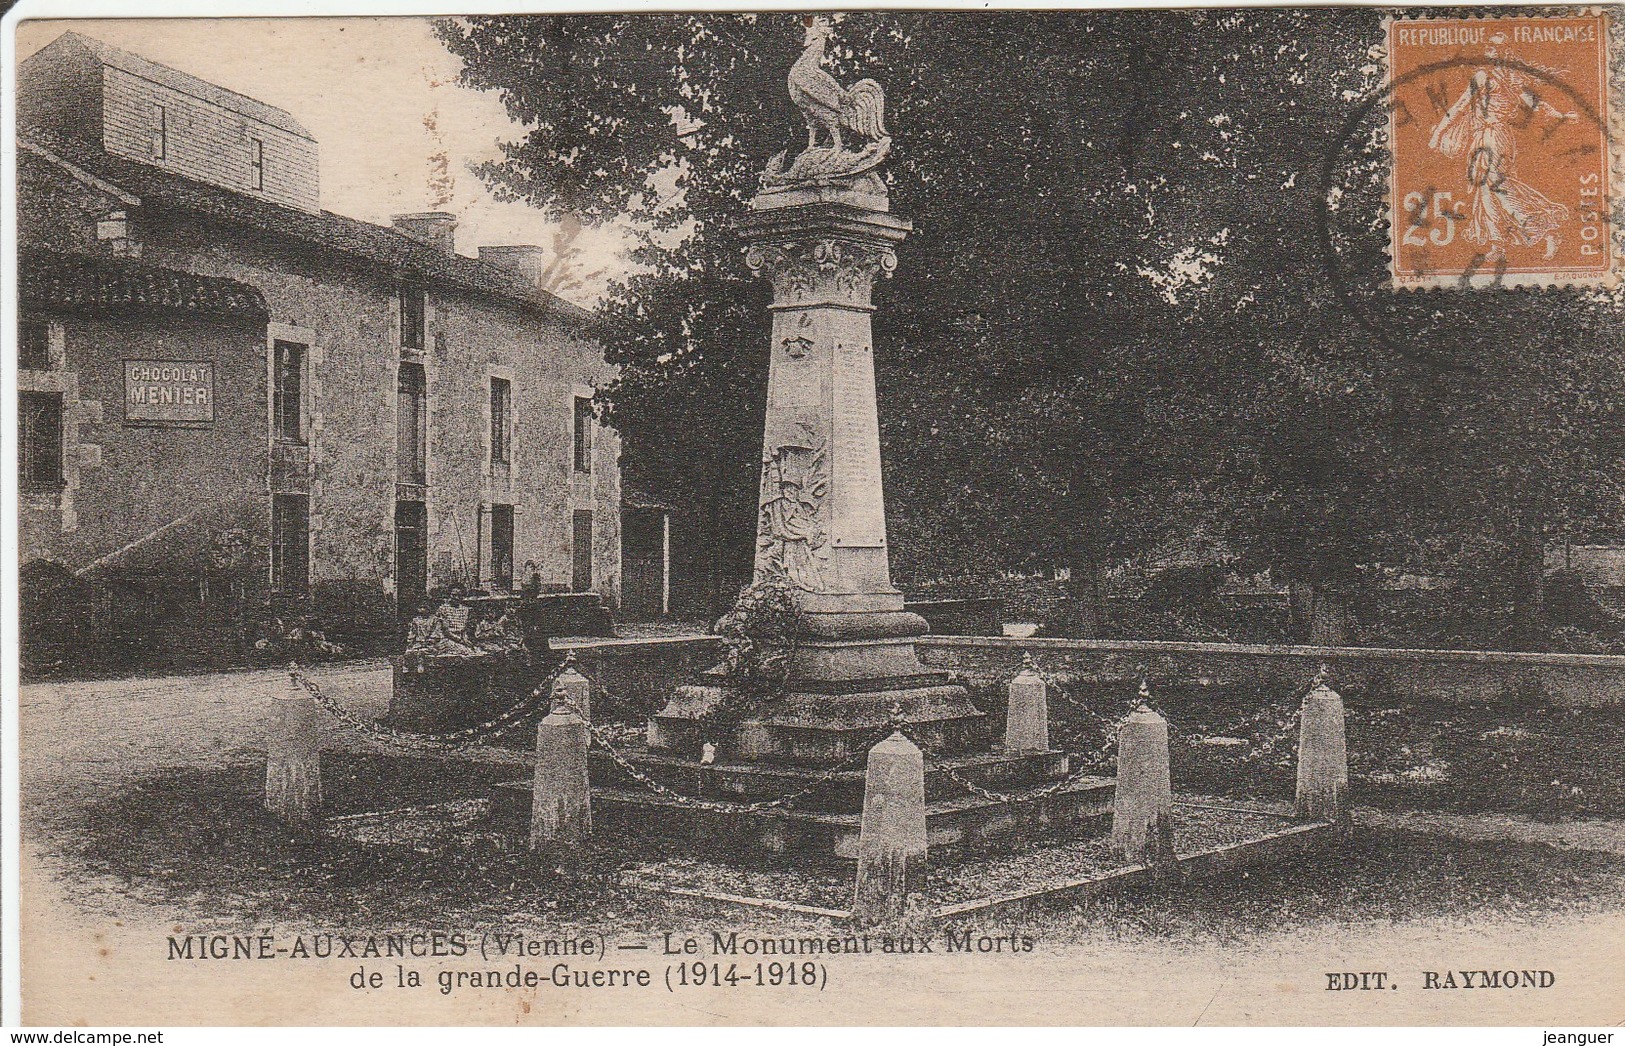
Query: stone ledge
(618, 647)
(1615, 662)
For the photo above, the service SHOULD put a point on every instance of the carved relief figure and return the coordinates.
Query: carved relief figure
(791, 539)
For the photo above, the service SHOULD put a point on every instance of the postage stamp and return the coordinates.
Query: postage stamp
(1499, 132)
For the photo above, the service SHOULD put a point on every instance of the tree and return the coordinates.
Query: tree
(1117, 321)
(988, 336)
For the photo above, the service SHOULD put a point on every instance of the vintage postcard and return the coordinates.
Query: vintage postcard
(878, 517)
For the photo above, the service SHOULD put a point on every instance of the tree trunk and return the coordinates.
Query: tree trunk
(1330, 623)
(1529, 591)
(1300, 604)
(1087, 618)
(1318, 617)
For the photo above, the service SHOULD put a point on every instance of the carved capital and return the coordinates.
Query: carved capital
(823, 269)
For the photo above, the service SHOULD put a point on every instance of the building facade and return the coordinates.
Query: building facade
(376, 417)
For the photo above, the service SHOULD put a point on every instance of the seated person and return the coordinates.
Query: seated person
(420, 629)
(500, 633)
(445, 632)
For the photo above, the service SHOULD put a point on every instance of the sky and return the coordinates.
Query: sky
(381, 98)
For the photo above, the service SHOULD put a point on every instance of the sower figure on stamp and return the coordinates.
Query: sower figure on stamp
(1483, 127)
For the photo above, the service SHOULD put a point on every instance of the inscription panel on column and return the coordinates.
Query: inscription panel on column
(860, 508)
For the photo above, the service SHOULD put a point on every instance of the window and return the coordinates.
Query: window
(502, 548)
(160, 132)
(412, 317)
(34, 345)
(501, 418)
(256, 163)
(41, 438)
(411, 426)
(287, 403)
(290, 542)
(581, 546)
(583, 433)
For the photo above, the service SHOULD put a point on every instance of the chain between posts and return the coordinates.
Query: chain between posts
(465, 737)
(982, 791)
(1177, 732)
(507, 720)
(1086, 769)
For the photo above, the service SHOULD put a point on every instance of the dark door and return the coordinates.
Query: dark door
(642, 565)
(411, 554)
(290, 542)
(502, 548)
(581, 572)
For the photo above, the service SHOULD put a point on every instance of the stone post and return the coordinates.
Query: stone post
(1143, 806)
(891, 840)
(561, 801)
(573, 687)
(293, 756)
(1323, 759)
(1026, 725)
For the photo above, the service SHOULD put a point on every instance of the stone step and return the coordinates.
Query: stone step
(841, 791)
(813, 744)
(952, 825)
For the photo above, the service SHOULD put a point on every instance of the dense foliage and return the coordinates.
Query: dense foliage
(1125, 317)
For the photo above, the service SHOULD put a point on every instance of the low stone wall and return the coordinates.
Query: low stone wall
(638, 674)
(1366, 673)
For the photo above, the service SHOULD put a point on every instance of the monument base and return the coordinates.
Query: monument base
(824, 822)
(821, 723)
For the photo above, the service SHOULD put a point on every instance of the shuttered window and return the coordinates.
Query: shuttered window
(40, 438)
(501, 420)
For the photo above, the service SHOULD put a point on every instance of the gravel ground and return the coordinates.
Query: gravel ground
(980, 876)
(197, 841)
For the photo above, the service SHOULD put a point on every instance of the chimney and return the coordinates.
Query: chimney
(435, 228)
(524, 260)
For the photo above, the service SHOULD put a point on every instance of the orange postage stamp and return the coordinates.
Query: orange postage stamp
(1499, 131)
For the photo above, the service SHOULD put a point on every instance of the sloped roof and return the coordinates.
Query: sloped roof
(92, 284)
(374, 245)
(185, 83)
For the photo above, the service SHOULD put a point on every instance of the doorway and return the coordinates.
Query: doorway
(581, 545)
(411, 555)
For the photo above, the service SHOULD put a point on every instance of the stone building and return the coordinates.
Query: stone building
(227, 389)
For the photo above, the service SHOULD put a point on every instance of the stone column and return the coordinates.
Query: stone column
(822, 518)
(1143, 805)
(892, 836)
(1323, 760)
(293, 757)
(821, 523)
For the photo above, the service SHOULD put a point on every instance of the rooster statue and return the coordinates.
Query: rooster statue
(823, 102)
(828, 109)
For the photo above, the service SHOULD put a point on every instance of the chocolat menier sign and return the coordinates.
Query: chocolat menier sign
(168, 392)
